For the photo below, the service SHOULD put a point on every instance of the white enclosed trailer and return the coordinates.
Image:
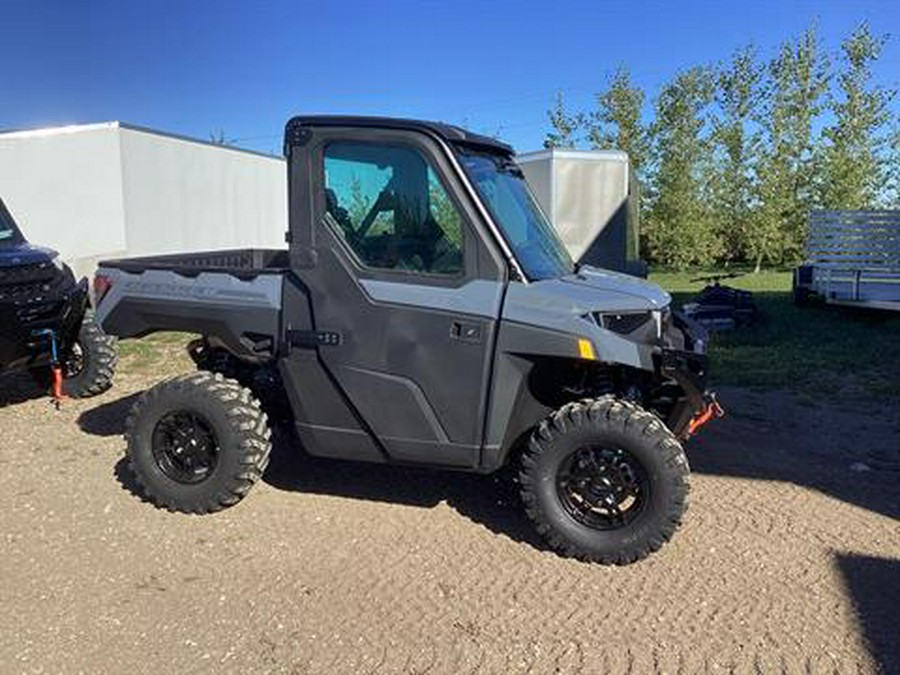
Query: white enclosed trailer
(111, 189)
(591, 197)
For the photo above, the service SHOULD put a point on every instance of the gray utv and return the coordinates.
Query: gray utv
(425, 312)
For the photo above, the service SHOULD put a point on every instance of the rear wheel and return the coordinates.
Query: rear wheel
(197, 443)
(604, 480)
(263, 380)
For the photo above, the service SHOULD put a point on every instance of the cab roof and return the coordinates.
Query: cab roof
(293, 132)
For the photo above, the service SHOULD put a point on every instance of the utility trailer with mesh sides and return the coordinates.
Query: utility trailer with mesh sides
(852, 258)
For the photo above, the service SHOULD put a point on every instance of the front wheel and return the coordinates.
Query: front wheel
(90, 364)
(604, 480)
(197, 443)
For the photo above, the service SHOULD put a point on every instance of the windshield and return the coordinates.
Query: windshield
(535, 243)
(8, 231)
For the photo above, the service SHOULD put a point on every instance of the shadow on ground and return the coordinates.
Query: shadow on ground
(846, 453)
(107, 419)
(765, 436)
(18, 388)
(874, 586)
(491, 501)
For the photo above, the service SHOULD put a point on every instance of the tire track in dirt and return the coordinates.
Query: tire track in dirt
(308, 579)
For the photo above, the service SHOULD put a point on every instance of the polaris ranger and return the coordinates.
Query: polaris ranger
(43, 324)
(424, 312)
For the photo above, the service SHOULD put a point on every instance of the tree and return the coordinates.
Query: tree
(793, 97)
(564, 126)
(735, 158)
(679, 228)
(736, 148)
(854, 167)
(616, 124)
(891, 196)
(219, 138)
(360, 204)
(444, 212)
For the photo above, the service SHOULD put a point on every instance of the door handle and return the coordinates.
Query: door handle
(465, 331)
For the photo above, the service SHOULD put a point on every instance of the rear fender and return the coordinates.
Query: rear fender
(243, 314)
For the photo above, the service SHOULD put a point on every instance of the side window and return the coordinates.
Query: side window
(392, 209)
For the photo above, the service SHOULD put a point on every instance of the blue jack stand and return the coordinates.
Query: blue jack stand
(55, 368)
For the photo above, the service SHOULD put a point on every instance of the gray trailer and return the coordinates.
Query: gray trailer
(852, 258)
(591, 198)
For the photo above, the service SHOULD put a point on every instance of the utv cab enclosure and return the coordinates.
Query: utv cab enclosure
(424, 312)
(43, 321)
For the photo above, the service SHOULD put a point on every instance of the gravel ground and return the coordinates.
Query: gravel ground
(788, 561)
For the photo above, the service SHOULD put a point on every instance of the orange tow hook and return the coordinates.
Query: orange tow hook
(711, 410)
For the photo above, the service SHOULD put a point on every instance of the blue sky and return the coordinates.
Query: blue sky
(193, 67)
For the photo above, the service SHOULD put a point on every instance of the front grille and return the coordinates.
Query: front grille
(35, 291)
(623, 324)
(41, 271)
(35, 283)
(38, 313)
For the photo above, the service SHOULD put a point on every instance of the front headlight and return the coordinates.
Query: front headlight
(645, 327)
(623, 323)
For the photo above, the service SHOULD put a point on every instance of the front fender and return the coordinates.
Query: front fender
(544, 323)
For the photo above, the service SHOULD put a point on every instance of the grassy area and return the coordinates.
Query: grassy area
(154, 350)
(819, 350)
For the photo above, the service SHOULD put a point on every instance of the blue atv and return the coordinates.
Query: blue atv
(45, 327)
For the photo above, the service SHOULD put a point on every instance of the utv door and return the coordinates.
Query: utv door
(401, 278)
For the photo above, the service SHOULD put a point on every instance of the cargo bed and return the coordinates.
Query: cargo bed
(242, 262)
(235, 294)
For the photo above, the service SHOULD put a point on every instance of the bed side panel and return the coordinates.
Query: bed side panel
(243, 313)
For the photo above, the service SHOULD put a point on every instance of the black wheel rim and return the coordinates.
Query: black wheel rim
(603, 488)
(75, 362)
(185, 447)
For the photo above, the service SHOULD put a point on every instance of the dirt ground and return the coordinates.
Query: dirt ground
(788, 561)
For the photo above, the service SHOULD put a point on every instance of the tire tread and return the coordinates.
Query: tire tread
(248, 425)
(626, 418)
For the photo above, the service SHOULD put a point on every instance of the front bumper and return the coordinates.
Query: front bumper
(20, 321)
(688, 368)
(689, 371)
